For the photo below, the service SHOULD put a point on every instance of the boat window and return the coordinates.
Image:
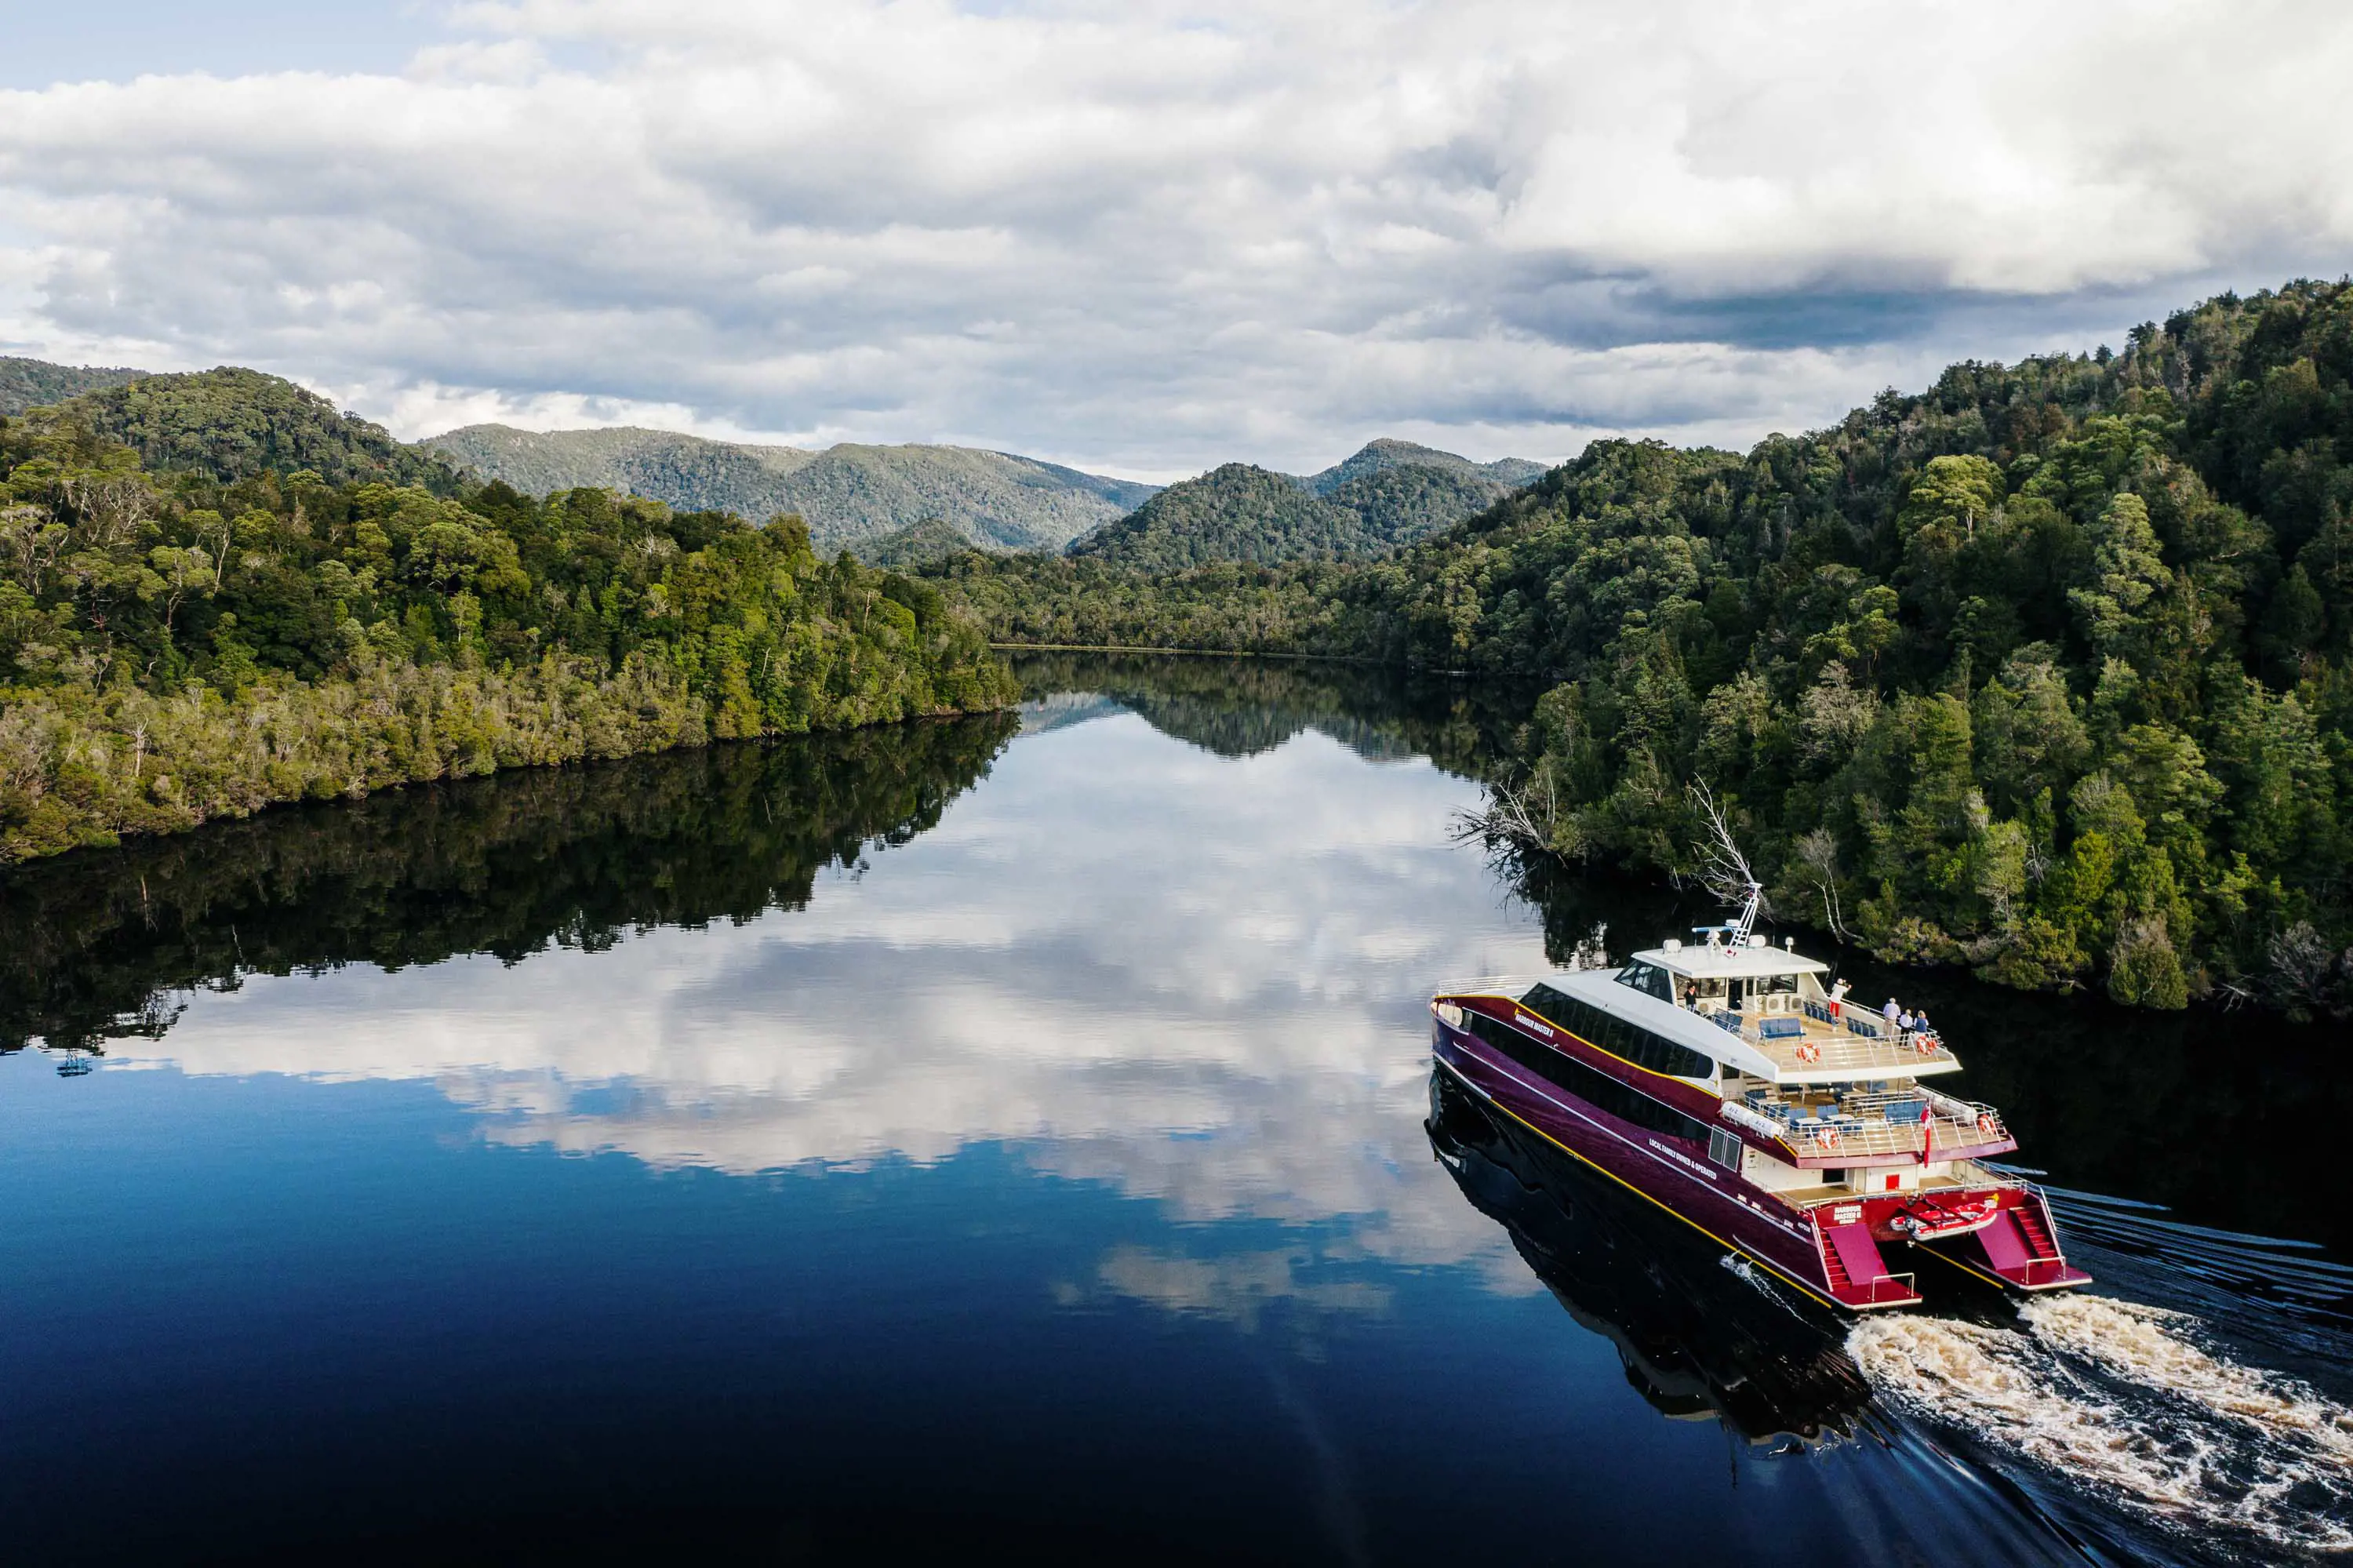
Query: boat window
(1648, 977)
(1619, 1036)
(1590, 1085)
(1723, 1148)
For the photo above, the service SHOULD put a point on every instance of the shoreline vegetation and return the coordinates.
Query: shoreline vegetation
(2046, 671)
(187, 642)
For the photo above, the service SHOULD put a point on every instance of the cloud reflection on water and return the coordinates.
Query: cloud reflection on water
(1197, 981)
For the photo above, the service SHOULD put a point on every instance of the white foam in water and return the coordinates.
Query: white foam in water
(2183, 1433)
(2144, 1345)
(1753, 1276)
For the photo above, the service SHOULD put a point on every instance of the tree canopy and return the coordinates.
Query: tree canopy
(201, 640)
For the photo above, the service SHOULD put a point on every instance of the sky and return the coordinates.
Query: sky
(1144, 238)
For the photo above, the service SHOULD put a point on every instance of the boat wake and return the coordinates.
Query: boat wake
(2124, 1399)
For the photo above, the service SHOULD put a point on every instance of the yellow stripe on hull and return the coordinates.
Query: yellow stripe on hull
(1766, 1264)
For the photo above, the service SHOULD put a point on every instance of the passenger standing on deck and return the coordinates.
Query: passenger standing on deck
(1891, 1012)
(1837, 1001)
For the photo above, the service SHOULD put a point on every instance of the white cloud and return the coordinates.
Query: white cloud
(1153, 235)
(1197, 982)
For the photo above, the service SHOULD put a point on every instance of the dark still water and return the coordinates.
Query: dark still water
(1019, 1136)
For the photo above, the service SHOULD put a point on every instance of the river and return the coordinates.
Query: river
(1019, 1134)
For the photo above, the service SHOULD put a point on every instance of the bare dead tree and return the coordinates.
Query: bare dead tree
(1818, 855)
(1723, 870)
(109, 507)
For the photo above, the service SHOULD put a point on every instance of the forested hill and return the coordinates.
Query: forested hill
(2047, 670)
(1387, 495)
(229, 424)
(1237, 512)
(847, 494)
(263, 615)
(915, 545)
(34, 383)
(1505, 473)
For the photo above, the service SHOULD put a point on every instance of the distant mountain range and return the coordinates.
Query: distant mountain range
(848, 493)
(876, 499)
(893, 504)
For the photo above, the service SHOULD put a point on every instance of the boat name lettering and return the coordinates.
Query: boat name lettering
(1538, 1025)
(1682, 1160)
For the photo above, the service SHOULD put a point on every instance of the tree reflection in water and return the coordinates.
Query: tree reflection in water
(102, 941)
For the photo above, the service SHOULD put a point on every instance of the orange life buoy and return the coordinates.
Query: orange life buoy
(1809, 1051)
(1828, 1138)
(1986, 1125)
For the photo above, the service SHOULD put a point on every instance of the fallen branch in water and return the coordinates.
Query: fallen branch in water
(1526, 817)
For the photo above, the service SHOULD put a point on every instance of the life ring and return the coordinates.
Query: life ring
(1828, 1138)
(1809, 1051)
(1986, 1125)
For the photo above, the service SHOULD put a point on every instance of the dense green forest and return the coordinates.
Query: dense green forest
(1239, 512)
(2047, 671)
(1236, 512)
(193, 626)
(235, 424)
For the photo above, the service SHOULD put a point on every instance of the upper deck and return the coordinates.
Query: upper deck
(1772, 1000)
(1809, 1047)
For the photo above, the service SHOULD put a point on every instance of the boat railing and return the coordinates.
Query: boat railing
(1857, 1047)
(1891, 1288)
(1859, 1124)
(1511, 987)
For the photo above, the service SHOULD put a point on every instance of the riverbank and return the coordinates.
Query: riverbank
(80, 767)
(182, 645)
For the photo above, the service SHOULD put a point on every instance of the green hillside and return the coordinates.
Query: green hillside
(1381, 498)
(231, 424)
(34, 383)
(913, 545)
(269, 619)
(845, 494)
(1237, 512)
(1507, 473)
(683, 472)
(1400, 505)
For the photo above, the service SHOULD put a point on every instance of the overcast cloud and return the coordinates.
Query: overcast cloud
(1147, 237)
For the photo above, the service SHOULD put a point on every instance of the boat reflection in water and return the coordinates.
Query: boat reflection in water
(1701, 1331)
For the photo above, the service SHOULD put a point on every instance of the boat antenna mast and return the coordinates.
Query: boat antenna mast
(1724, 870)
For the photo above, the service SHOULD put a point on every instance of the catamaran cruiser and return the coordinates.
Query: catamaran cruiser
(1720, 1081)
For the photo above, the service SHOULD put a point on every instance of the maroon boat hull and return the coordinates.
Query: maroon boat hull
(1838, 1263)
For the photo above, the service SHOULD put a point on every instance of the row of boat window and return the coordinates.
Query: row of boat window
(1649, 979)
(1590, 1085)
(1618, 1036)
